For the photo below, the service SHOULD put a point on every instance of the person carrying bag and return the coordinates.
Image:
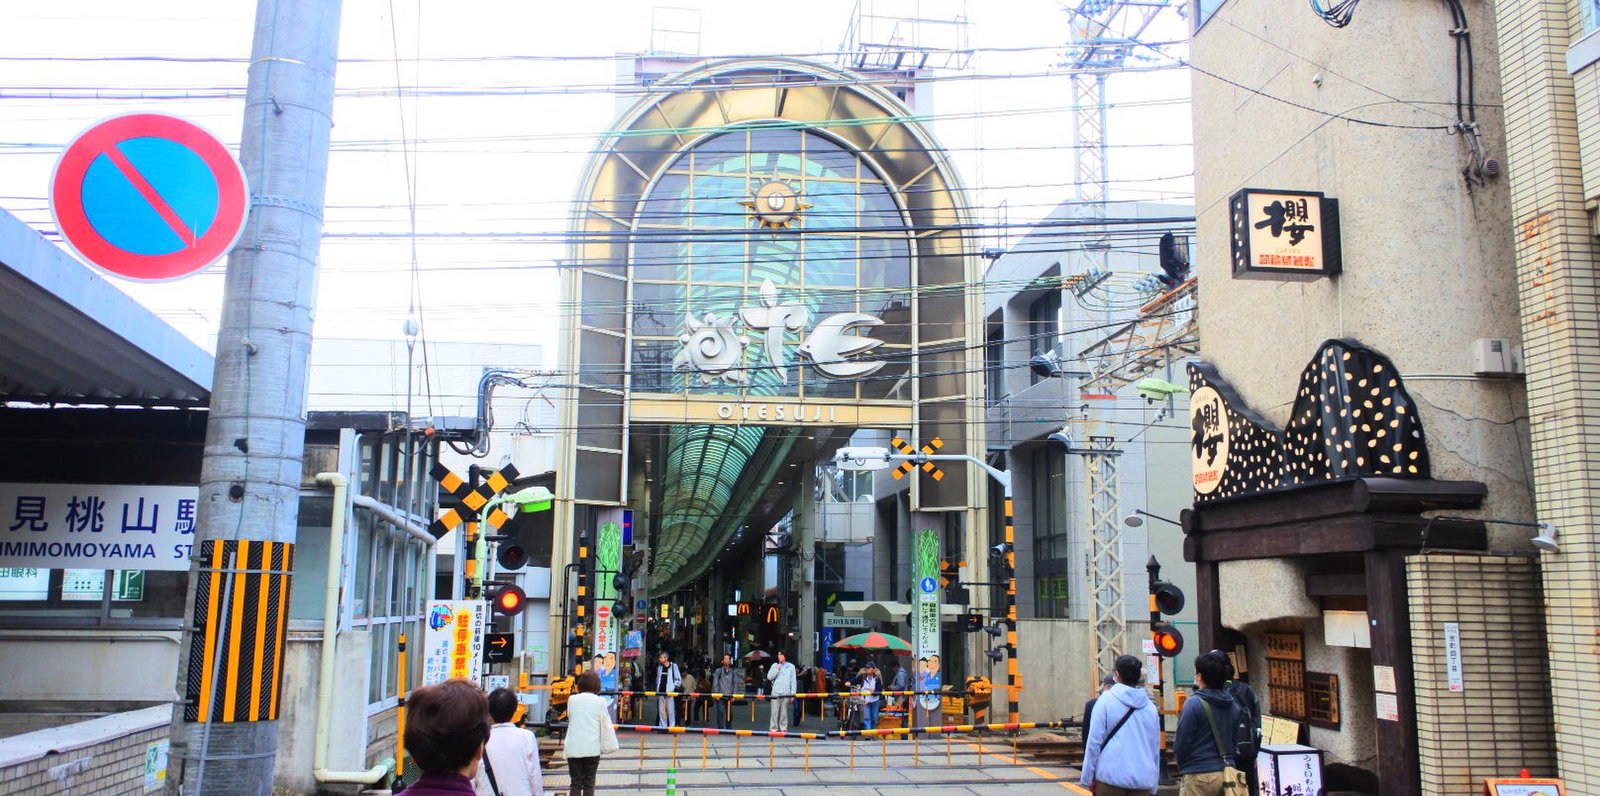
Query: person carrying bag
(590, 734)
(1234, 781)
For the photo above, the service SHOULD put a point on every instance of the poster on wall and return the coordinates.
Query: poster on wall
(452, 643)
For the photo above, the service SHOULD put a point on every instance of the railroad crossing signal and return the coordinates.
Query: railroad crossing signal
(472, 499)
(905, 468)
(1165, 598)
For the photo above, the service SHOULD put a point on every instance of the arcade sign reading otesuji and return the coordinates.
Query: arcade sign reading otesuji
(1279, 234)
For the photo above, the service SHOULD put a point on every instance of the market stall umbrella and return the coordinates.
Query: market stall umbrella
(756, 655)
(874, 642)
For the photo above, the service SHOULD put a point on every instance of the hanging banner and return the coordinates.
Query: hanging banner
(925, 611)
(607, 563)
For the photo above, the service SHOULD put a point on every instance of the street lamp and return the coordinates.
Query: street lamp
(865, 459)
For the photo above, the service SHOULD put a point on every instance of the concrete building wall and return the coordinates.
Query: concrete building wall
(1552, 163)
(1428, 263)
(1365, 114)
(1022, 411)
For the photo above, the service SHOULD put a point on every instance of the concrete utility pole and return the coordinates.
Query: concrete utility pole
(225, 729)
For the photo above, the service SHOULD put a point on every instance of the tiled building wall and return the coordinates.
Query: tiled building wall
(1556, 258)
(110, 768)
(1499, 721)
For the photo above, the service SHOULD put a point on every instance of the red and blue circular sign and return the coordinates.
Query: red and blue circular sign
(148, 196)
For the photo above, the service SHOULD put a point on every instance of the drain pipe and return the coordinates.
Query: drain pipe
(330, 630)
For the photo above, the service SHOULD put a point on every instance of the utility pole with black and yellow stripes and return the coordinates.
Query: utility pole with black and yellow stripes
(230, 671)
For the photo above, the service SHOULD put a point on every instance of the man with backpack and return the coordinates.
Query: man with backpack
(1249, 724)
(1121, 752)
(1209, 739)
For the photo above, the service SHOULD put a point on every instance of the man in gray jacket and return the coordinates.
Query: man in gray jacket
(1121, 751)
(782, 675)
(725, 679)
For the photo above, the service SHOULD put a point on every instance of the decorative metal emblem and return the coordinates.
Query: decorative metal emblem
(829, 345)
(712, 350)
(776, 319)
(775, 204)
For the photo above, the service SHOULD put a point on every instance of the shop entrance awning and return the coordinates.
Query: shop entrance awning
(888, 610)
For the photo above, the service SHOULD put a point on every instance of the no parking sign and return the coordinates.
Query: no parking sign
(149, 196)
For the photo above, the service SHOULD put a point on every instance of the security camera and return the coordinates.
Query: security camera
(1063, 437)
(1045, 366)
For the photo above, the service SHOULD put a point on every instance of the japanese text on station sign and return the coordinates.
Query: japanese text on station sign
(96, 526)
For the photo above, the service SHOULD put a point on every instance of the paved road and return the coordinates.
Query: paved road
(895, 768)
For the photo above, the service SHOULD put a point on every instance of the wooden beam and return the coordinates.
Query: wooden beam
(1208, 605)
(1347, 534)
(1354, 585)
(1398, 761)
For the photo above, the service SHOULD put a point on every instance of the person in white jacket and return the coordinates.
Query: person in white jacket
(511, 757)
(783, 679)
(590, 733)
(1121, 756)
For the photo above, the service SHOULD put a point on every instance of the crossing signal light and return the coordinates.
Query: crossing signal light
(972, 622)
(1166, 598)
(511, 556)
(1169, 642)
(508, 600)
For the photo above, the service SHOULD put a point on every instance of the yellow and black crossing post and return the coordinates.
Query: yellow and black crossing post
(241, 613)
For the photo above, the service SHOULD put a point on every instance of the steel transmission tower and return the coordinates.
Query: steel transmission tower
(1104, 35)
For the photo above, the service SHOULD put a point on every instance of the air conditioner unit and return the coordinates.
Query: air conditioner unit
(1494, 356)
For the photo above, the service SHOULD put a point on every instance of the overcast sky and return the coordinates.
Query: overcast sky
(499, 142)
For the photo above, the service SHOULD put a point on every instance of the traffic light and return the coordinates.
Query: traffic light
(1165, 599)
(507, 599)
(950, 579)
(972, 622)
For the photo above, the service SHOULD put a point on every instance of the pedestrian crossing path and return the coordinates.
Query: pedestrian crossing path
(756, 766)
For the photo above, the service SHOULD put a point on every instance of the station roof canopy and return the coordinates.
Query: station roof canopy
(68, 335)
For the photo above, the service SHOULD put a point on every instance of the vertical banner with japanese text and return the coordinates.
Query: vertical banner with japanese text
(452, 643)
(607, 564)
(925, 610)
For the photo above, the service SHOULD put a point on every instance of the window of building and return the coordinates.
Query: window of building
(1590, 9)
(1044, 326)
(1203, 9)
(1050, 546)
(994, 362)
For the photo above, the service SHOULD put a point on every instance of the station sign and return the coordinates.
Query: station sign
(96, 526)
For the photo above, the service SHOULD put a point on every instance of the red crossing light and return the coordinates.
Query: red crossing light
(1169, 642)
(508, 600)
